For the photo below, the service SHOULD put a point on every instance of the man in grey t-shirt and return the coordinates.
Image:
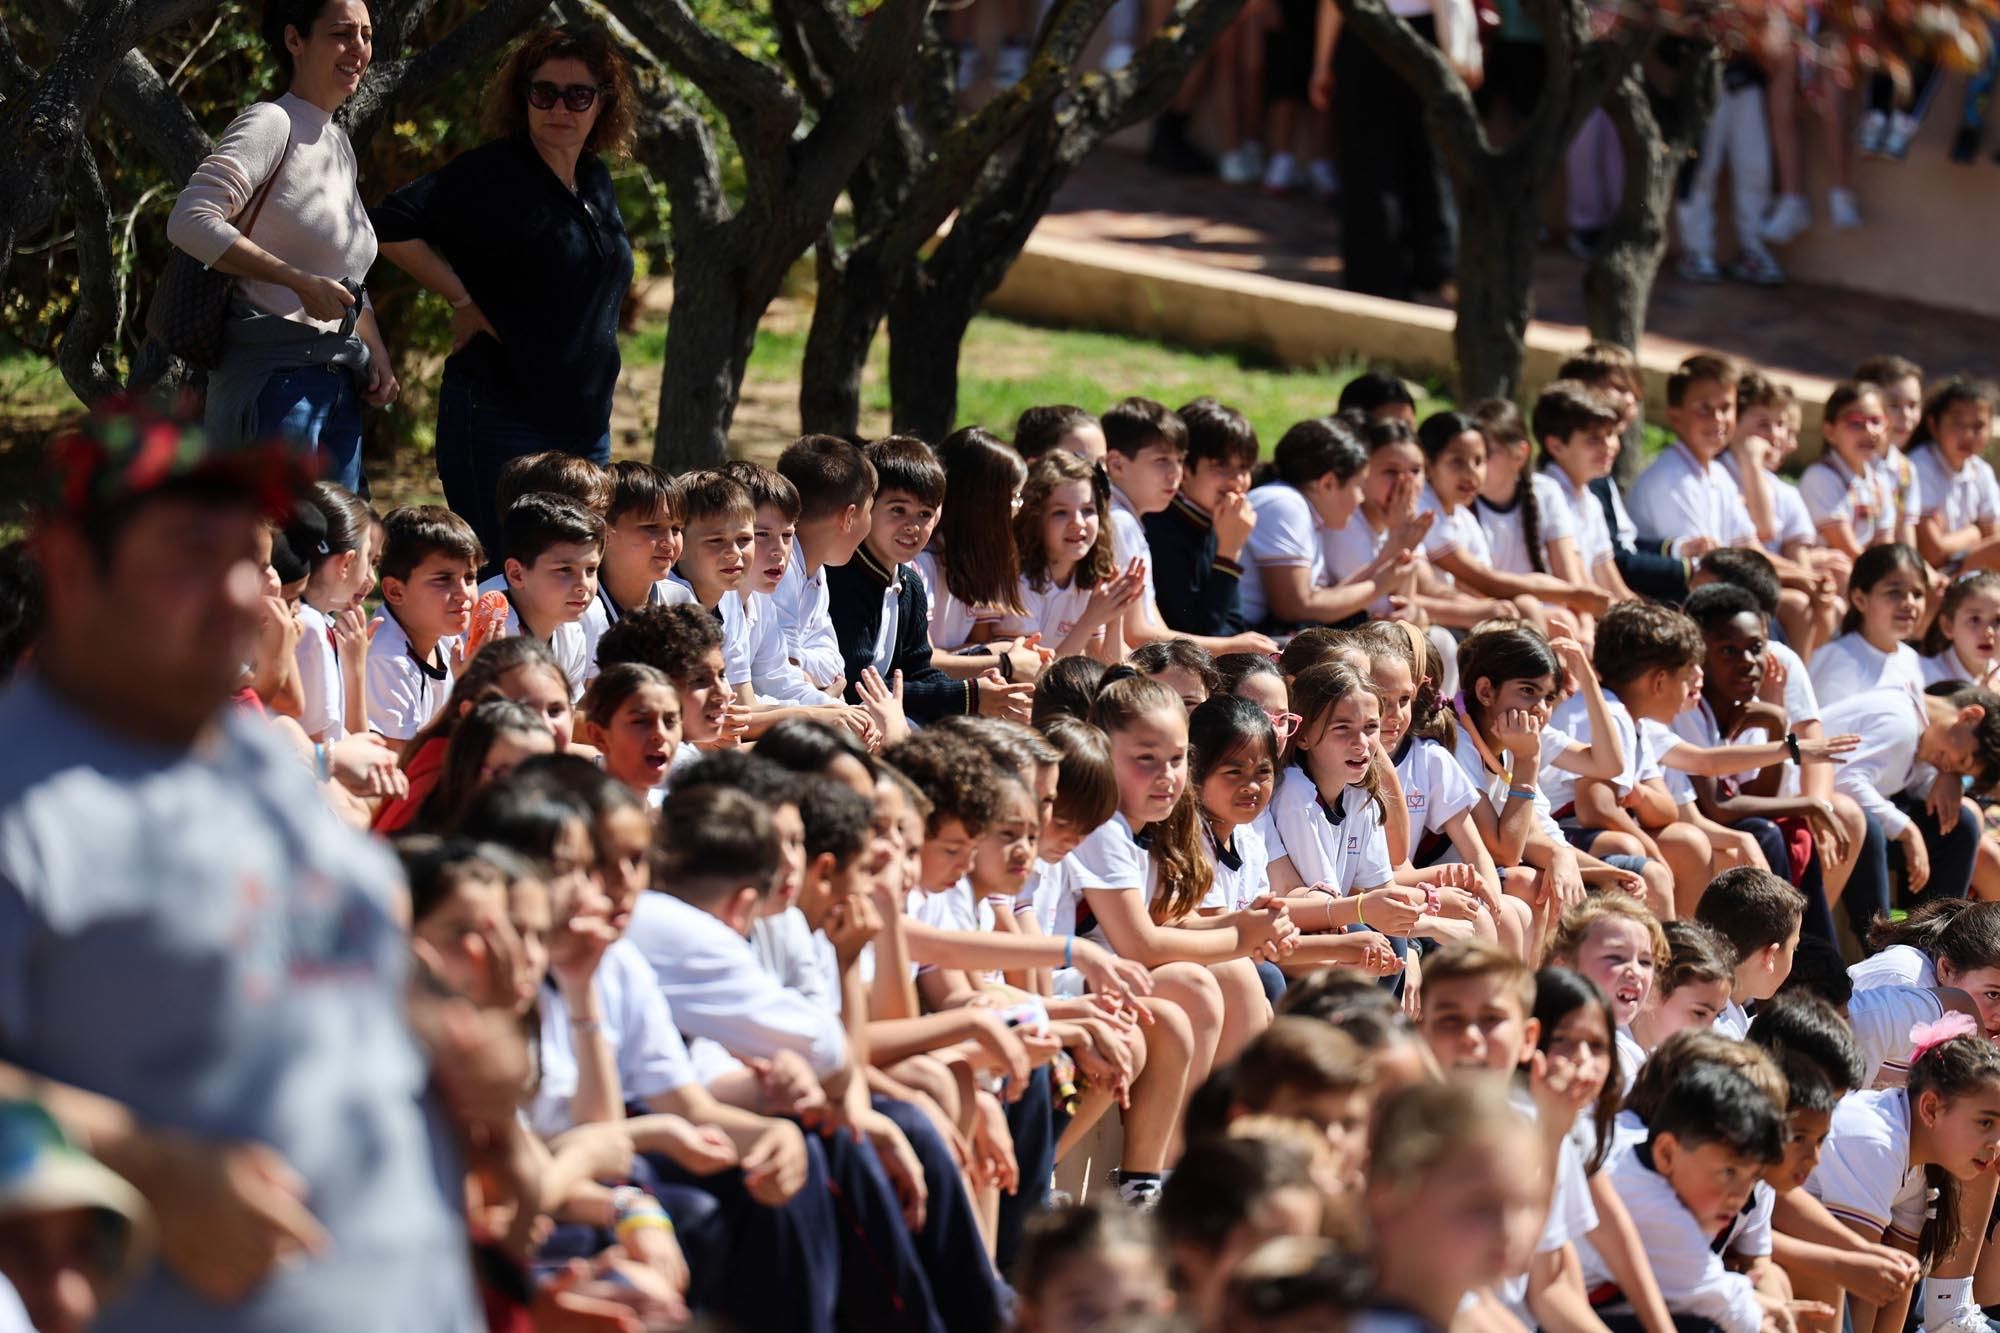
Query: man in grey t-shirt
(201, 968)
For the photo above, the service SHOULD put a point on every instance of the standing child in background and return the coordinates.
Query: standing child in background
(1445, 844)
(1851, 491)
(1738, 136)
(643, 530)
(333, 633)
(1316, 486)
(551, 548)
(1618, 944)
(1959, 509)
(1138, 899)
(1690, 991)
(1576, 428)
(1888, 1151)
(1961, 643)
(1529, 525)
(429, 569)
(1759, 914)
(970, 569)
(1454, 449)
(836, 486)
(1196, 543)
(632, 715)
(1685, 500)
(1073, 592)
(1885, 611)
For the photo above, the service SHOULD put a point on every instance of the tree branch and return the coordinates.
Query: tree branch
(675, 145)
(488, 30)
(759, 106)
(856, 113)
(96, 314)
(1448, 109)
(138, 98)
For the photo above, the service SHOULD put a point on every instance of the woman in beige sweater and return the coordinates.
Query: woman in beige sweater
(302, 351)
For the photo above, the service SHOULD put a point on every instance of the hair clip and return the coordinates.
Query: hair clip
(1927, 1037)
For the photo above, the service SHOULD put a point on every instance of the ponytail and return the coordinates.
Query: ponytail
(1531, 520)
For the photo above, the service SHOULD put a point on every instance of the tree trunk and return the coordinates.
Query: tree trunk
(852, 301)
(926, 331)
(709, 336)
(1496, 261)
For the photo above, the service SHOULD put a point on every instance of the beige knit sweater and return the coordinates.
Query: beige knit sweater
(313, 219)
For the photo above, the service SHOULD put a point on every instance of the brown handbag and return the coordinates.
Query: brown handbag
(191, 304)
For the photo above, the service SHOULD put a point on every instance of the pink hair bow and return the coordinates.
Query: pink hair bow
(1925, 1037)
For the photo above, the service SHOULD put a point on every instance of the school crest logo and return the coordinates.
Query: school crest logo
(1415, 800)
(1353, 843)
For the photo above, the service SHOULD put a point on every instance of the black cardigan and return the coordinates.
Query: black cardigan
(1195, 587)
(854, 603)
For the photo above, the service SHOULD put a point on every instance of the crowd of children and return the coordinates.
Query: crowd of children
(1442, 867)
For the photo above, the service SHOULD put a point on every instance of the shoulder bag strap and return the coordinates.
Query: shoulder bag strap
(264, 190)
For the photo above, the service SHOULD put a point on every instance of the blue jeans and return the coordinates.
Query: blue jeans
(317, 408)
(476, 438)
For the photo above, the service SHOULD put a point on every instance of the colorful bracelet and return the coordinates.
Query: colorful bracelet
(1525, 793)
(1359, 920)
(638, 1211)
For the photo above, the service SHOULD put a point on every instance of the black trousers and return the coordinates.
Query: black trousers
(1395, 216)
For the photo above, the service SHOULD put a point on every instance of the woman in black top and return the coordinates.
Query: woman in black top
(523, 237)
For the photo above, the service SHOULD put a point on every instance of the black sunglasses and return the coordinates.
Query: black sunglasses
(578, 97)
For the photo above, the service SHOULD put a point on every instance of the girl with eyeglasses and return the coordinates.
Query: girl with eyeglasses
(523, 238)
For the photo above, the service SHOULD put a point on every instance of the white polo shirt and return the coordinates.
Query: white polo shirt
(1506, 541)
(404, 692)
(1287, 535)
(1110, 858)
(1050, 611)
(1128, 542)
(1693, 1279)
(1960, 499)
(1679, 497)
(605, 612)
(1881, 1015)
(637, 1023)
(801, 607)
(1343, 846)
(1833, 491)
(1571, 723)
(1586, 519)
(1850, 664)
(1864, 1174)
(1789, 514)
(1890, 722)
(567, 643)
(1248, 879)
(952, 621)
(322, 688)
(1454, 532)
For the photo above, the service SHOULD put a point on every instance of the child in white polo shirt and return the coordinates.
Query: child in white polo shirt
(1957, 495)
(1686, 499)
(1576, 426)
(1851, 491)
(430, 561)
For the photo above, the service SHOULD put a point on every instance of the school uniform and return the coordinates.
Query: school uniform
(1468, 752)
(1287, 535)
(952, 621)
(1851, 665)
(737, 632)
(1962, 499)
(405, 691)
(1947, 665)
(1864, 1176)
(1456, 532)
(1353, 545)
(605, 612)
(1890, 720)
(800, 603)
(1693, 1280)
(1656, 739)
(1242, 869)
(1866, 500)
(1791, 519)
(566, 644)
(1435, 792)
(1679, 497)
(1733, 1022)
(1504, 526)
(1051, 611)
(774, 676)
(1571, 723)
(799, 1238)
(1897, 965)
(881, 616)
(1337, 843)
(1128, 541)
(1632, 1057)
(1571, 1216)
(1882, 1015)
(1584, 517)
(322, 689)
(1198, 587)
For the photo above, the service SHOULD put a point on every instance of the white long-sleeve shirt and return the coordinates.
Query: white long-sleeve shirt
(710, 975)
(1693, 1279)
(313, 218)
(1890, 722)
(801, 605)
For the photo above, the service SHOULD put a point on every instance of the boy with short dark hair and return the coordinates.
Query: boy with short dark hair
(643, 528)
(551, 548)
(1686, 500)
(1759, 914)
(1197, 541)
(1708, 1142)
(1577, 430)
(1612, 372)
(430, 563)
(552, 472)
(1145, 446)
(880, 611)
(1059, 426)
(836, 487)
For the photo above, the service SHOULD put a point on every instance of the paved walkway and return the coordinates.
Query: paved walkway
(1801, 327)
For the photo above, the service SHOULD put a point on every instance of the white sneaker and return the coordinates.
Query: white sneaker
(1902, 129)
(1143, 1195)
(1325, 181)
(1235, 168)
(1965, 1319)
(1012, 66)
(1874, 129)
(1788, 221)
(1843, 210)
(1117, 56)
(1282, 176)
